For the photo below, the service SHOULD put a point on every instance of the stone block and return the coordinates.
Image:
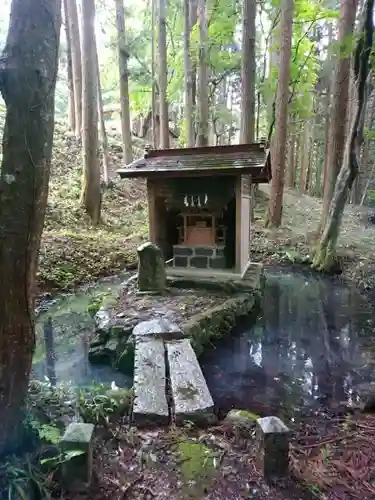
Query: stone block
(191, 397)
(273, 439)
(218, 263)
(199, 262)
(180, 261)
(182, 251)
(76, 472)
(220, 252)
(151, 268)
(205, 251)
(157, 328)
(254, 275)
(150, 402)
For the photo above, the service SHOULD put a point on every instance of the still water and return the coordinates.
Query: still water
(312, 345)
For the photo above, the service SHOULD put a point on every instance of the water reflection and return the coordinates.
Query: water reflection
(62, 334)
(310, 346)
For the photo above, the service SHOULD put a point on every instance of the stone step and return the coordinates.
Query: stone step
(191, 397)
(150, 402)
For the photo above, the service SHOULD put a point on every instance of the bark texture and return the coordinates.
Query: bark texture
(325, 254)
(339, 105)
(189, 116)
(124, 83)
(163, 76)
(71, 105)
(248, 70)
(278, 144)
(75, 44)
(202, 136)
(28, 69)
(91, 196)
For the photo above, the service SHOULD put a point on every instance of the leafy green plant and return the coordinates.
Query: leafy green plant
(97, 404)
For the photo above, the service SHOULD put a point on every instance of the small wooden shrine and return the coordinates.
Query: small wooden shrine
(199, 203)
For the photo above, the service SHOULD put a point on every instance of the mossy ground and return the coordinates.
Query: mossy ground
(73, 252)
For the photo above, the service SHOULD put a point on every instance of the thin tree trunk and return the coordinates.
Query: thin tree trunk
(325, 253)
(71, 105)
(339, 109)
(304, 158)
(189, 117)
(369, 179)
(75, 43)
(281, 118)
(163, 76)
(103, 132)
(91, 193)
(123, 56)
(155, 140)
(291, 167)
(28, 70)
(202, 137)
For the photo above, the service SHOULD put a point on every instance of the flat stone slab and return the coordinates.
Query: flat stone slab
(191, 397)
(254, 275)
(150, 402)
(159, 328)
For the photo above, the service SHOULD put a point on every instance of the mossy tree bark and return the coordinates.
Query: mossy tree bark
(28, 69)
(325, 253)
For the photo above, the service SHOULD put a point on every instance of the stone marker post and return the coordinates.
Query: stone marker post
(151, 269)
(76, 472)
(273, 438)
(50, 353)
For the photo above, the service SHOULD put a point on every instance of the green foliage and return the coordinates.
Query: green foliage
(97, 404)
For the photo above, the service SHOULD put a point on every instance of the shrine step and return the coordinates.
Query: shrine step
(191, 398)
(150, 401)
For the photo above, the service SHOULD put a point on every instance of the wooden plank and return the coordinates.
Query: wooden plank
(191, 397)
(150, 401)
(151, 211)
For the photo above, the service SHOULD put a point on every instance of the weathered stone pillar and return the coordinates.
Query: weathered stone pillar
(76, 472)
(151, 268)
(273, 437)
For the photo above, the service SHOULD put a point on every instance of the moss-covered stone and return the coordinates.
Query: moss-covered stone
(197, 461)
(206, 327)
(125, 359)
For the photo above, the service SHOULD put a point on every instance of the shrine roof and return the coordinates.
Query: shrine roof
(251, 159)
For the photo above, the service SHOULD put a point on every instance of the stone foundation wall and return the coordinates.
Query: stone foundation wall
(201, 257)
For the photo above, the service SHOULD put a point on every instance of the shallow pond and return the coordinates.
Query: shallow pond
(72, 324)
(312, 346)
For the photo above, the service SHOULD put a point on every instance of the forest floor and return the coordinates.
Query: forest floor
(331, 458)
(72, 252)
(294, 241)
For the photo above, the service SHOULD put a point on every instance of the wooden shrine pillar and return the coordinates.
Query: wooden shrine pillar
(152, 215)
(243, 207)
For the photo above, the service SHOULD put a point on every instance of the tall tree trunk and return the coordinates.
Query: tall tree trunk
(248, 67)
(202, 136)
(189, 117)
(339, 105)
(75, 44)
(281, 117)
(91, 195)
(123, 56)
(103, 132)
(193, 17)
(71, 105)
(163, 76)
(325, 253)
(28, 70)
(155, 136)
